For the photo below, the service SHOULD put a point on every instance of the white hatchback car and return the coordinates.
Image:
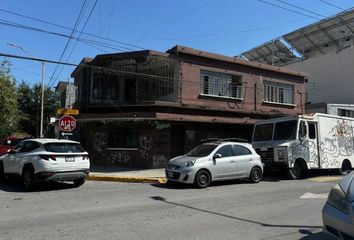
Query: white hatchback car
(215, 161)
(38, 160)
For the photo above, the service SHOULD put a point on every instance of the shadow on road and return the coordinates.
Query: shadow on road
(13, 185)
(162, 199)
(315, 236)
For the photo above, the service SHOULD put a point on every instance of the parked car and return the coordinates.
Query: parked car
(215, 161)
(38, 160)
(338, 212)
(8, 143)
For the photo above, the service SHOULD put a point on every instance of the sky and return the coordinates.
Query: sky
(227, 27)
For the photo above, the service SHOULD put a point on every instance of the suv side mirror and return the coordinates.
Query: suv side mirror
(218, 155)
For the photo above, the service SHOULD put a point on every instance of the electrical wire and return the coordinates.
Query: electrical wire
(77, 40)
(288, 9)
(331, 4)
(70, 37)
(301, 8)
(67, 28)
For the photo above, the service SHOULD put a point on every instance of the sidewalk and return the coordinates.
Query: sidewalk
(127, 175)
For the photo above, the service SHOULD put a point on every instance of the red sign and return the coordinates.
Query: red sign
(67, 123)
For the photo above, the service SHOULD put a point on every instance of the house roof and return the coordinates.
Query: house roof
(205, 54)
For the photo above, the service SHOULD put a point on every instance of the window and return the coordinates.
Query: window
(285, 130)
(345, 112)
(225, 151)
(220, 84)
(241, 150)
(278, 93)
(263, 132)
(122, 137)
(105, 86)
(64, 147)
(302, 130)
(312, 130)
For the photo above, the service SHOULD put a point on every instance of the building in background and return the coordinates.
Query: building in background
(67, 94)
(324, 50)
(139, 109)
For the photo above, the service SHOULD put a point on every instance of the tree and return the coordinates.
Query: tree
(29, 102)
(9, 112)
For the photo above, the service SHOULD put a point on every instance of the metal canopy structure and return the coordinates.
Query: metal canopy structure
(273, 53)
(329, 35)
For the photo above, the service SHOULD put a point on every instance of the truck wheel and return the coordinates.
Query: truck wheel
(202, 179)
(78, 182)
(297, 171)
(2, 174)
(27, 178)
(346, 168)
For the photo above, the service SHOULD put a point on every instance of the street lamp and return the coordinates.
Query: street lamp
(42, 87)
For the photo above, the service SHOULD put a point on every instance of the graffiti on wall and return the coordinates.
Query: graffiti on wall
(99, 142)
(119, 157)
(145, 145)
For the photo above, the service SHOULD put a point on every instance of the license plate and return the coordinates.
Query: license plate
(170, 174)
(69, 159)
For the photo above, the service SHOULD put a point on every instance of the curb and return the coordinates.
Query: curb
(127, 179)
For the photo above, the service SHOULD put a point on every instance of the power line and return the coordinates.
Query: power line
(67, 28)
(71, 35)
(288, 9)
(301, 8)
(26, 27)
(331, 4)
(67, 59)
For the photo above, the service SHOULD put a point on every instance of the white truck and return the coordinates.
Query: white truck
(304, 142)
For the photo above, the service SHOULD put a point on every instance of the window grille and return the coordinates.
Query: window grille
(278, 93)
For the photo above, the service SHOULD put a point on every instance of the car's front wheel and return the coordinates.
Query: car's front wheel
(78, 182)
(202, 179)
(27, 178)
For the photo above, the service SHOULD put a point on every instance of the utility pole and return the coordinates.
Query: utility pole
(42, 88)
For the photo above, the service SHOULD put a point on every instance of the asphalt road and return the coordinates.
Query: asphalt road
(272, 209)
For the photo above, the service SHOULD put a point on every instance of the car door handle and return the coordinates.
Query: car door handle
(232, 161)
(250, 159)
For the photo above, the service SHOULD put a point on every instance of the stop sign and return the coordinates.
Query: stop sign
(67, 123)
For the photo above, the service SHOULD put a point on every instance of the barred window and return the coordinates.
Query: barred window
(220, 84)
(278, 93)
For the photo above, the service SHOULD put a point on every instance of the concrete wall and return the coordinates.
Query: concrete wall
(331, 77)
(252, 87)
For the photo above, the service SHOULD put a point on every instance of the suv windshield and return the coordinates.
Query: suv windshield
(263, 132)
(285, 130)
(202, 150)
(64, 147)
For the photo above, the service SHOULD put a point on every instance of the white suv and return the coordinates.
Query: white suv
(38, 160)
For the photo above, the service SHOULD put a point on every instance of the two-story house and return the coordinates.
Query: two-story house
(138, 109)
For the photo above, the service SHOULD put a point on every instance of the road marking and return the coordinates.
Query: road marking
(315, 195)
(325, 178)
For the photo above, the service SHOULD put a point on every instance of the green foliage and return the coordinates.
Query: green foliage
(9, 112)
(29, 102)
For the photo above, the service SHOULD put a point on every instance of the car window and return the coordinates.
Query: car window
(29, 146)
(18, 147)
(202, 150)
(240, 150)
(64, 147)
(225, 151)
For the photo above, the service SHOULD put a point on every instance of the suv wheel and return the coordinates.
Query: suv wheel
(27, 178)
(78, 182)
(202, 179)
(2, 174)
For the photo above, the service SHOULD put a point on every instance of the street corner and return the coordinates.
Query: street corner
(93, 177)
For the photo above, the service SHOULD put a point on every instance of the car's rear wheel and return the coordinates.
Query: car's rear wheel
(78, 182)
(298, 171)
(255, 175)
(202, 179)
(27, 178)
